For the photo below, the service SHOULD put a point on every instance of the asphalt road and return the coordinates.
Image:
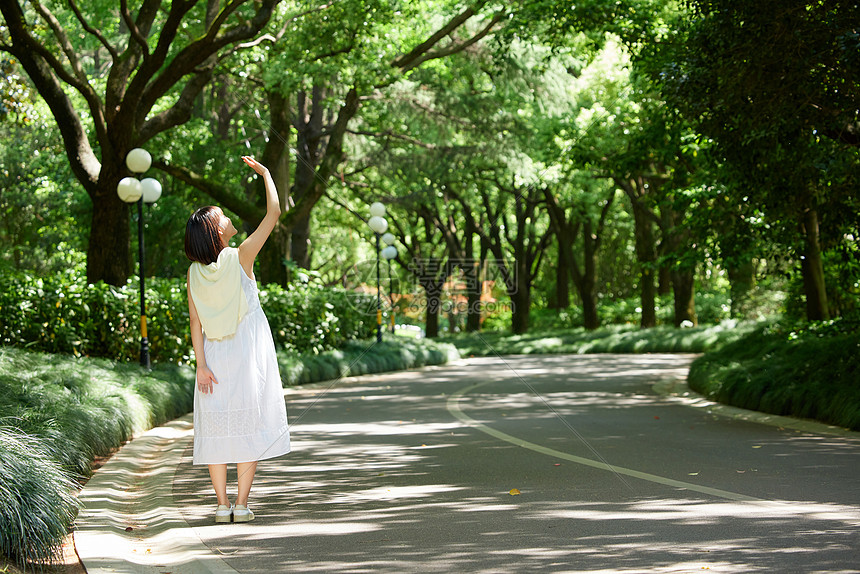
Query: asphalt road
(538, 463)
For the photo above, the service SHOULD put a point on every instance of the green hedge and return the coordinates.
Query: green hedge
(810, 372)
(62, 313)
(364, 357)
(614, 339)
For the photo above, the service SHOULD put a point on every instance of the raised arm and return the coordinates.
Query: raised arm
(249, 248)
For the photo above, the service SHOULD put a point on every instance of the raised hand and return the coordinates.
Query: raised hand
(255, 165)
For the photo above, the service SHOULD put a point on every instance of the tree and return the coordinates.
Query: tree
(321, 87)
(159, 63)
(775, 84)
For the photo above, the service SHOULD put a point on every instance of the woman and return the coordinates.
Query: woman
(239, 411)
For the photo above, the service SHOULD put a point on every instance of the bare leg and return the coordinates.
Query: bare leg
(218, 475)
(246, 471)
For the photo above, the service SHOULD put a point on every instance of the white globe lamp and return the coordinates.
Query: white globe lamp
(151, 190)
(378, 224)
(389, 252)
(389, 239)
(138, 160)
(129, 189)
(377, 209)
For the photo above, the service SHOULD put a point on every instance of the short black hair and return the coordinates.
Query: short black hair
(202, 240)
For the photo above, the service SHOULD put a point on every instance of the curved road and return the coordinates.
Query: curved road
(536, 463)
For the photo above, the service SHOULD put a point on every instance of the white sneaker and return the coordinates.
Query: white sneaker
(224, 513)
(242, 513)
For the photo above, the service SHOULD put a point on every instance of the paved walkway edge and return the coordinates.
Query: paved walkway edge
(129, 522)
(679, 390)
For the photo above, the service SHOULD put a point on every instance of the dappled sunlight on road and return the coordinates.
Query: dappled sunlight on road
(382, 478)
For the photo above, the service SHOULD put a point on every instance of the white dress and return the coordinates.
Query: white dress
(244, 419)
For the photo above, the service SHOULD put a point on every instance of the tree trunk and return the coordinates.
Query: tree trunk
(520, 304)
(434, 303)
(741, 283)
(476, 306)
(664, 270)
(271, 263)
(562, 272)
(473, 292)
(300, 251)
(521, 298)
(276, 155)
(812, 268)
(108, 252)
(646, 255)
(683, 286)
(589, 278)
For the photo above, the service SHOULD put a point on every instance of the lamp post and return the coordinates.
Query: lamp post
(389, 253)
(378, 224)
(131, 190)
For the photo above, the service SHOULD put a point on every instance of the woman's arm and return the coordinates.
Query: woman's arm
(249, 248)
(205, 377)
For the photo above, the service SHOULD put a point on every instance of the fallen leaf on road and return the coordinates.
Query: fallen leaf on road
(557, 464)
(514, 492)
(693, 473)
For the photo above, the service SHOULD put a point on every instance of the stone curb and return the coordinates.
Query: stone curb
(678, 390)
(129, 522)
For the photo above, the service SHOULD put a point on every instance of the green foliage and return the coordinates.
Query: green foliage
(58, 414)
(310, 319)
(364, 357)
(41, 205)
(616, 339)
(810, 372)
(62, 313)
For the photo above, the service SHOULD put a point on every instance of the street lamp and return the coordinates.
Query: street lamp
(132, 190)
(390, 252)
(378, 224)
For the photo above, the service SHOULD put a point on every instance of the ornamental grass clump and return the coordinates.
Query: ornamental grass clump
(57, 414)
(37, 504)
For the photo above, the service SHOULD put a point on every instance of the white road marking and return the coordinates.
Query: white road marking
(454, 408)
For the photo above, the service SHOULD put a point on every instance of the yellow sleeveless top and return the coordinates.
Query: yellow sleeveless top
(216, 290)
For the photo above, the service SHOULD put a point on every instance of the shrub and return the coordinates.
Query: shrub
(364, 357)
(311, 319)
(809, 372)
(62, 313)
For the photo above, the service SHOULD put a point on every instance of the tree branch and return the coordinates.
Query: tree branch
(92, 31)
(199, 51)
(333, 156)
(133, 29)
(62, 40)
(84, 163)
(178, 113)
(455, 47)
(219, 192)
(404, 62)
(391, 134)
